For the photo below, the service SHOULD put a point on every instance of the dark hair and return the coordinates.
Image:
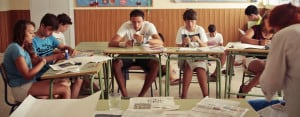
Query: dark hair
(190, 14)
(50, 20)
(64, 19)
(137, 13)
(284, 15)
(211, 28)
(251, 9)
(19, 35)
(161, 37)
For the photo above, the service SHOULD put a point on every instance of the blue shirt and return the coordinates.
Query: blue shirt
(44, 47)
(12, 52)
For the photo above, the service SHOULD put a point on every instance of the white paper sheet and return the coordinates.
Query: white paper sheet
(69, 65)
(239, 45)
(211, 107)
(32, 107)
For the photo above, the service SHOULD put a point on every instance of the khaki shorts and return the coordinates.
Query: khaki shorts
(21, 92)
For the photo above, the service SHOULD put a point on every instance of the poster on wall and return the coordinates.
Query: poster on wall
(114, 3)
(210, 1)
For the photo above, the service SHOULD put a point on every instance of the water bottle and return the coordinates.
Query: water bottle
(66, 54)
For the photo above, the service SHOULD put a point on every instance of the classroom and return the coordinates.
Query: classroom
(95, 26)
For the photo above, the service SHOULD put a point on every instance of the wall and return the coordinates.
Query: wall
(10, 12)
(101, 23)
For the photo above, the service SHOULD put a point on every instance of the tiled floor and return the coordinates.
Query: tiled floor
(136, 81)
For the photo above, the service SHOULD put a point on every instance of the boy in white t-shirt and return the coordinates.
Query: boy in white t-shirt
(215, 39)
(64, 24)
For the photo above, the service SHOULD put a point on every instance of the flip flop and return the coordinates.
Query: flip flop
(174, 82)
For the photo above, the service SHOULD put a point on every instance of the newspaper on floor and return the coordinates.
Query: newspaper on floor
(211, 107)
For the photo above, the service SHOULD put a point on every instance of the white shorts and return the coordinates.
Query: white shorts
(201, 64)
(21, 92)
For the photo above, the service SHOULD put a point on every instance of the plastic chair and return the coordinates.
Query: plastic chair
(14, 104)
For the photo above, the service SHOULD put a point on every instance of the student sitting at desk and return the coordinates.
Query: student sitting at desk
(192, 35)
(136, 32)
(253, 16)
(215, 39)
(257, 35)
(20, 69)
(44, 44)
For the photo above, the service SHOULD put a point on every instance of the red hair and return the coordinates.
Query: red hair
(284, 15)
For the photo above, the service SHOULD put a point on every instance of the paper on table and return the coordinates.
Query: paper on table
(70, 63)
(155, 103)
(148, 47)
(32, 107)
(187, 49)
(240, 45)
(219, 108)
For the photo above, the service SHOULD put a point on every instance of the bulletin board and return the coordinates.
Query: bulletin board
(210, 1)
(114, 3)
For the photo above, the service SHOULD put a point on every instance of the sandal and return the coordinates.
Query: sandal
(212, 78)
(241, 91)
(174, 82)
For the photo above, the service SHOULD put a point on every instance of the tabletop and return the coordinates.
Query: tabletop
(185, 104)
(130, 50)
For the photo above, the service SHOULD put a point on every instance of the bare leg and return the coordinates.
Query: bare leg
(257, 67)
(117, 68)
(150, 77)
(202, 78)
(41, 88)
(75, 88)
(187, 77)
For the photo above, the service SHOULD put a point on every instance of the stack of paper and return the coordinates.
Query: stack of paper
(211, 107)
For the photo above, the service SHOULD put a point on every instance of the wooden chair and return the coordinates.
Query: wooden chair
(12, 104)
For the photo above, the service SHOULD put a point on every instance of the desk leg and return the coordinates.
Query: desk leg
(167, 78)
(229, 72)
(160, 75)
(218, 83)
(51, 89)
(100, 80)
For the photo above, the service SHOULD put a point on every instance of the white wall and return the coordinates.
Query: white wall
(4, 5)
(38, 8)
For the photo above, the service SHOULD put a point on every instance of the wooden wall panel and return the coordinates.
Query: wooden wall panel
(8, 19)
(102, 24)
(4, 33)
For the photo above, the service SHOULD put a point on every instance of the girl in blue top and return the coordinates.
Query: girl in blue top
(22, 67)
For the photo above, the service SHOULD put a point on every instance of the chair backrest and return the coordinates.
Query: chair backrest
(6, 85)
